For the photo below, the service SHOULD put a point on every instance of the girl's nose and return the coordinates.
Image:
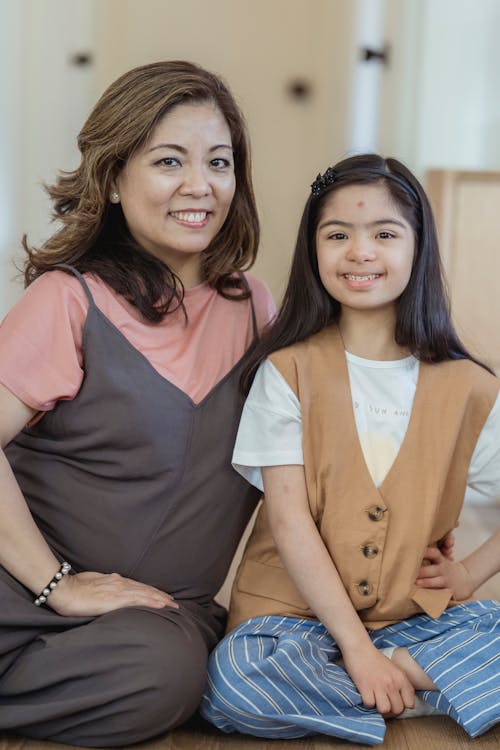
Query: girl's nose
(360, 250)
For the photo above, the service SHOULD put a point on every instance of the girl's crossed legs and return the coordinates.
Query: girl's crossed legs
(278, 677)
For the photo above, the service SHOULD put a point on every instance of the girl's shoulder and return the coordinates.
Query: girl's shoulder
(468, 371)
(323, 342)
(310, 356)
(461, 383)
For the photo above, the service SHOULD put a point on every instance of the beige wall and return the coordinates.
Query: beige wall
(438, 105)
(260, 46)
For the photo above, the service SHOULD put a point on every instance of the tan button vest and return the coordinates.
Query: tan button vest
(376, 537)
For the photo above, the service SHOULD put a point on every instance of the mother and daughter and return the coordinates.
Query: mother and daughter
(365, 423)
(119, 404)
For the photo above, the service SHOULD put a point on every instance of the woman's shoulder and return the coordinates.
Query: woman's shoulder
(263, 301)
(53, 293)
(260, 290)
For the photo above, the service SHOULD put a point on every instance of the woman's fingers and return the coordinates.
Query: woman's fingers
(433, 554)
(97, 593)
(430, 575)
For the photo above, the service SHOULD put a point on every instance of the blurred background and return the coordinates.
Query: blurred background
(317, 80)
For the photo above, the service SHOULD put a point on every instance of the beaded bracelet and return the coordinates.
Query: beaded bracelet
(49, 588)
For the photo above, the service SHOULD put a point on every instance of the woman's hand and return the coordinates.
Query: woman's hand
(447, 543)
(88, 594)
(442, 573)
(381, 684)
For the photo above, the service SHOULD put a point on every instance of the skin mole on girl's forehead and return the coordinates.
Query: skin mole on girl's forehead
(360, 204)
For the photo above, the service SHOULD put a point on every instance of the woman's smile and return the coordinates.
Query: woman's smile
(177, 190)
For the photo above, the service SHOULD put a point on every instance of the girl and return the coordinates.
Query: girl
(366, 421)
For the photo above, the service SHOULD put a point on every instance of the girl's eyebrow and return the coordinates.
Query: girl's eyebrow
(378, 222)
(182, 150)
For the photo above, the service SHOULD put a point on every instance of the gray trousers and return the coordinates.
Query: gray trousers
(121, 678)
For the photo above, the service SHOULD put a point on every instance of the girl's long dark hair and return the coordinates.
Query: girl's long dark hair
(423, 322)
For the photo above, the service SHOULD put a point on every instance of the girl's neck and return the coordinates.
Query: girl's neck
(370, 334)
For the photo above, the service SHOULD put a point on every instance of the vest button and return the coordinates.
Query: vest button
(375, 513)
(370, 550)
(365, 588)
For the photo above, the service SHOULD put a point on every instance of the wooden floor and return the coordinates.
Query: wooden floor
(427, 733)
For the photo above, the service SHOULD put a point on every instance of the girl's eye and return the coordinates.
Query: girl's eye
(337, 236)
(220, 163)
(169, 161)
(386, 235)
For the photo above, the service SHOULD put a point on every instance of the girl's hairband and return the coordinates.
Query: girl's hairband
(329, 177)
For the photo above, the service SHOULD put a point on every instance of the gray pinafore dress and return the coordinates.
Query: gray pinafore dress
(131, 477)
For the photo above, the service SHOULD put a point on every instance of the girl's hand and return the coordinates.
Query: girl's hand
(380, 682)
(88, 594)
(442, 573)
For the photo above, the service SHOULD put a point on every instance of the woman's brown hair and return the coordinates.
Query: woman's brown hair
(93, 236)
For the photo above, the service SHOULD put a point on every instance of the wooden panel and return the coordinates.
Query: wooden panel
(467, 209)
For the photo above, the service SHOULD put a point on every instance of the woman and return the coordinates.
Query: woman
(123, 358)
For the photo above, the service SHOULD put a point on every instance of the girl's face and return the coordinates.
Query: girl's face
(365, 247)
(176, 190)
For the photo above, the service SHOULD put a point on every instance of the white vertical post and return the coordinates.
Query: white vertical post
(366, 80)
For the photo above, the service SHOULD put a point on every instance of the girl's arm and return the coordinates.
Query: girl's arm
(380, 682)
(463, 577)
(25, 554)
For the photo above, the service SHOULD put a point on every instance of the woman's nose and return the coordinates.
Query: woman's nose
(196, 182)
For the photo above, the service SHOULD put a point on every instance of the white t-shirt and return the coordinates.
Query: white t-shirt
(270, 431)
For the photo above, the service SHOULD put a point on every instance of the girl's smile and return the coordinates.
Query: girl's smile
(361, 281)
(365, 247)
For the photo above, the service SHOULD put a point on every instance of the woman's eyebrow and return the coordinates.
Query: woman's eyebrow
(182, 150)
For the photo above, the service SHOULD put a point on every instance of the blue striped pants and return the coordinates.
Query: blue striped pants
(276, 677)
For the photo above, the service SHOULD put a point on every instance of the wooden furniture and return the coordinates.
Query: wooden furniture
(467, 210)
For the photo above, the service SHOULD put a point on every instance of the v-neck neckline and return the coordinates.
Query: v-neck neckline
(180, 393)
(351, 421)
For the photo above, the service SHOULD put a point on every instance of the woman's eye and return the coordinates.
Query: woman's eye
(386, 235)
(169, 161)
(337, 236)
(220, 163)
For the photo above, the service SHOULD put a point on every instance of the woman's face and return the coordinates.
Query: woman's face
(176, 190)
(365, 247)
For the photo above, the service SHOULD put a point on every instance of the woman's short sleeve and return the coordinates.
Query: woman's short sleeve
(270, 431)
(41, 341)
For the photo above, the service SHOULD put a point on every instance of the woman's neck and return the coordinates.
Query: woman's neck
(370, 334)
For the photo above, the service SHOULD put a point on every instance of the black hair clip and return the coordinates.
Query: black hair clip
(323, 180)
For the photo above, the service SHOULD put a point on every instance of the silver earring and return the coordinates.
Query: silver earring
(115, 198)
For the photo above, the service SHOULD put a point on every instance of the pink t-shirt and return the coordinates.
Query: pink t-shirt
(41, 337)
